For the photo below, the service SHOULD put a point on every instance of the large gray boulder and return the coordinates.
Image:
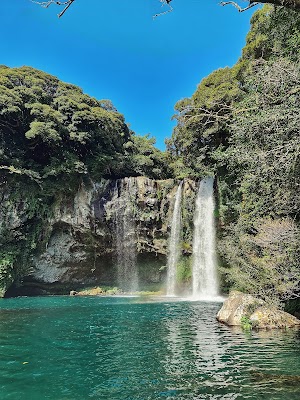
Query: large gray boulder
(256, 311)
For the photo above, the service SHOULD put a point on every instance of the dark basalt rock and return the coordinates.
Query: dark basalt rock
(79, 248)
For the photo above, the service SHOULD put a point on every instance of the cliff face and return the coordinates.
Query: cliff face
(81, 240)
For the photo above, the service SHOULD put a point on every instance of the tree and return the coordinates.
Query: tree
(264, 262)
(49, 128)
(293, 4)
(242, 124)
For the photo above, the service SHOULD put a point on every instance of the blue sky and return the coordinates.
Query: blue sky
(113, 49)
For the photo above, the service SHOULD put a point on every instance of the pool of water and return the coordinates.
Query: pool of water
(66, 348)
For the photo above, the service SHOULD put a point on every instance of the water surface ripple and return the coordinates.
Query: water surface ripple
(64, 348)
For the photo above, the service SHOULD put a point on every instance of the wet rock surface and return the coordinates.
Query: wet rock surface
(78, 245)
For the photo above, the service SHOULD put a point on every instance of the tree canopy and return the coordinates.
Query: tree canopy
(49, 128)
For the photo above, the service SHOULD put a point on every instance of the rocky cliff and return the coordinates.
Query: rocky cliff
(77, 241)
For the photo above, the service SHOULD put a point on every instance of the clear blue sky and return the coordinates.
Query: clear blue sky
(113, 49)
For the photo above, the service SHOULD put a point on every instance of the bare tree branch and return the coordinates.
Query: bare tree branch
(239, 8)
(48, 3)
(164, 3)
(293, 4)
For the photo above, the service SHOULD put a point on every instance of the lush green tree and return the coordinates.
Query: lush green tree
(242, 124)
(145, 159)
(264, 261)
(203, 122)
(51, 128)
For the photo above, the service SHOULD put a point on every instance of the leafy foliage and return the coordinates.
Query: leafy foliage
(265, 260)
(52, 138)
(242, 124)
(54, 129)
(6, 271)
(203, 123)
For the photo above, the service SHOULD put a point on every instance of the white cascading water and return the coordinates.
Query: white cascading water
(204, 274)
(125, 231)
(174, 250)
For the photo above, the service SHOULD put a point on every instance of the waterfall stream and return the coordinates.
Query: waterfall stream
(125, 232)
(205, 282)
(174, 250)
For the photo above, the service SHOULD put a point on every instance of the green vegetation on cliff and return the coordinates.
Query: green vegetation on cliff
(50, 129)
(242, 124)
(53, 138)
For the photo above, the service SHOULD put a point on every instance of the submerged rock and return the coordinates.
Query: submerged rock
(240, 306)
(277, 380)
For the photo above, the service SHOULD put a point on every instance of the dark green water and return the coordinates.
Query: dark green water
(129, 348)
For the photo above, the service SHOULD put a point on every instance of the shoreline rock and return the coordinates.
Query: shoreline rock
(241, 308)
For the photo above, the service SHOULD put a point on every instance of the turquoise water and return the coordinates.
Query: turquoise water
(66, 348)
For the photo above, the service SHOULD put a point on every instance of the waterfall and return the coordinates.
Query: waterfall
(174, 251)
(205, 283)
(125, 235)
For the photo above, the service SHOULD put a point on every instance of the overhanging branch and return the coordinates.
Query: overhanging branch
(48, 3)
(164, 3)
(292, 4)
(237, 6)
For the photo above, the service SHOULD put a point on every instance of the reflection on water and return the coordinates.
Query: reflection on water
(227, 362)
(198, 353)
(63, 348)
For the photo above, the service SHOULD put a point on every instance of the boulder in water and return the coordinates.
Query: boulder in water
(256, 311)
(272, 318)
